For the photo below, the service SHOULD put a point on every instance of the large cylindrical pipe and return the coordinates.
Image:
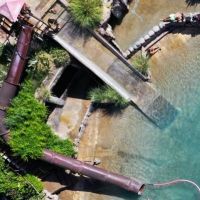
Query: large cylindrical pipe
(20, 56)
(9, 87)
(7, 93)
(127, 183)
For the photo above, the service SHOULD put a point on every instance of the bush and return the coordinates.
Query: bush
(106, 94)
(141, 64)
(39, 65)
(86, 13)
(3, 73)
(60, 56)
(42, 61)
(29, 134)
(17, 187)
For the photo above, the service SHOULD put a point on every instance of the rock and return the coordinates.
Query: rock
(146, 37)
(156, 28)
(49, 196)
(117, 10)
(130, 49)
(97, 161)
(141, 40)
(126, 53)
(135, 47)
(151, 33)
(138, 44)
(56, 100)
(162, 24)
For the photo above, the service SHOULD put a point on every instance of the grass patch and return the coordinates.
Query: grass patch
(17, 187)
(106, 94)
(29, 133)
(141, 63)
(86, 13)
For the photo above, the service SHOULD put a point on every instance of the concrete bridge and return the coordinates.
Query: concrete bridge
(112, 69)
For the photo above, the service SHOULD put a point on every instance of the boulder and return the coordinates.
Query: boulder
(151, 33)
(156, 29)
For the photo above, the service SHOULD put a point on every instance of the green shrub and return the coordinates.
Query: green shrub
(141, 64)
(106, 94)
(43, 93)
(60, 56)
(29, 134)
(17, 187)
(34, 181)
(40, 64)
(87, 13)
(41, 61)
(3, 73)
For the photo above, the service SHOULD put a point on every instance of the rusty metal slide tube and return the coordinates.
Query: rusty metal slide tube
(20, 56)
(7, 93)
(10, 85)
(124, 182)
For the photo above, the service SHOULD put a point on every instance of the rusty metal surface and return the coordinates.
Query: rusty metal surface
(7, 93)
(127, 183)
(9, 87)
(20, 55)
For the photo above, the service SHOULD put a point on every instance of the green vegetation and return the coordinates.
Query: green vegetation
(106, 94)
(43, 93)
(86, 13)
(3, 72)
(40, 64)
(141, 64)
(17, 187)
(60, 56)
(5, 57)
(29, 133)
(43, 60)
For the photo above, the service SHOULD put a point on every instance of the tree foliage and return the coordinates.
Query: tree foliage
(87, 13)
(29, 133)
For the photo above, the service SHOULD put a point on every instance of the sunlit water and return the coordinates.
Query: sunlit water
(141, 149)
(153, 155)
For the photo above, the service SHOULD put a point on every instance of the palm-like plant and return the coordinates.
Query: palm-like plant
(87, 13)
(141, 64)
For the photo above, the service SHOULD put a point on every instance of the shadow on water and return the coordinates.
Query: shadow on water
(110, 109)
(193, 31)
(192, 2)
(85, 184)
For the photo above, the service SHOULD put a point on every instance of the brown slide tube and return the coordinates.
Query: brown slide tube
(7, 93)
